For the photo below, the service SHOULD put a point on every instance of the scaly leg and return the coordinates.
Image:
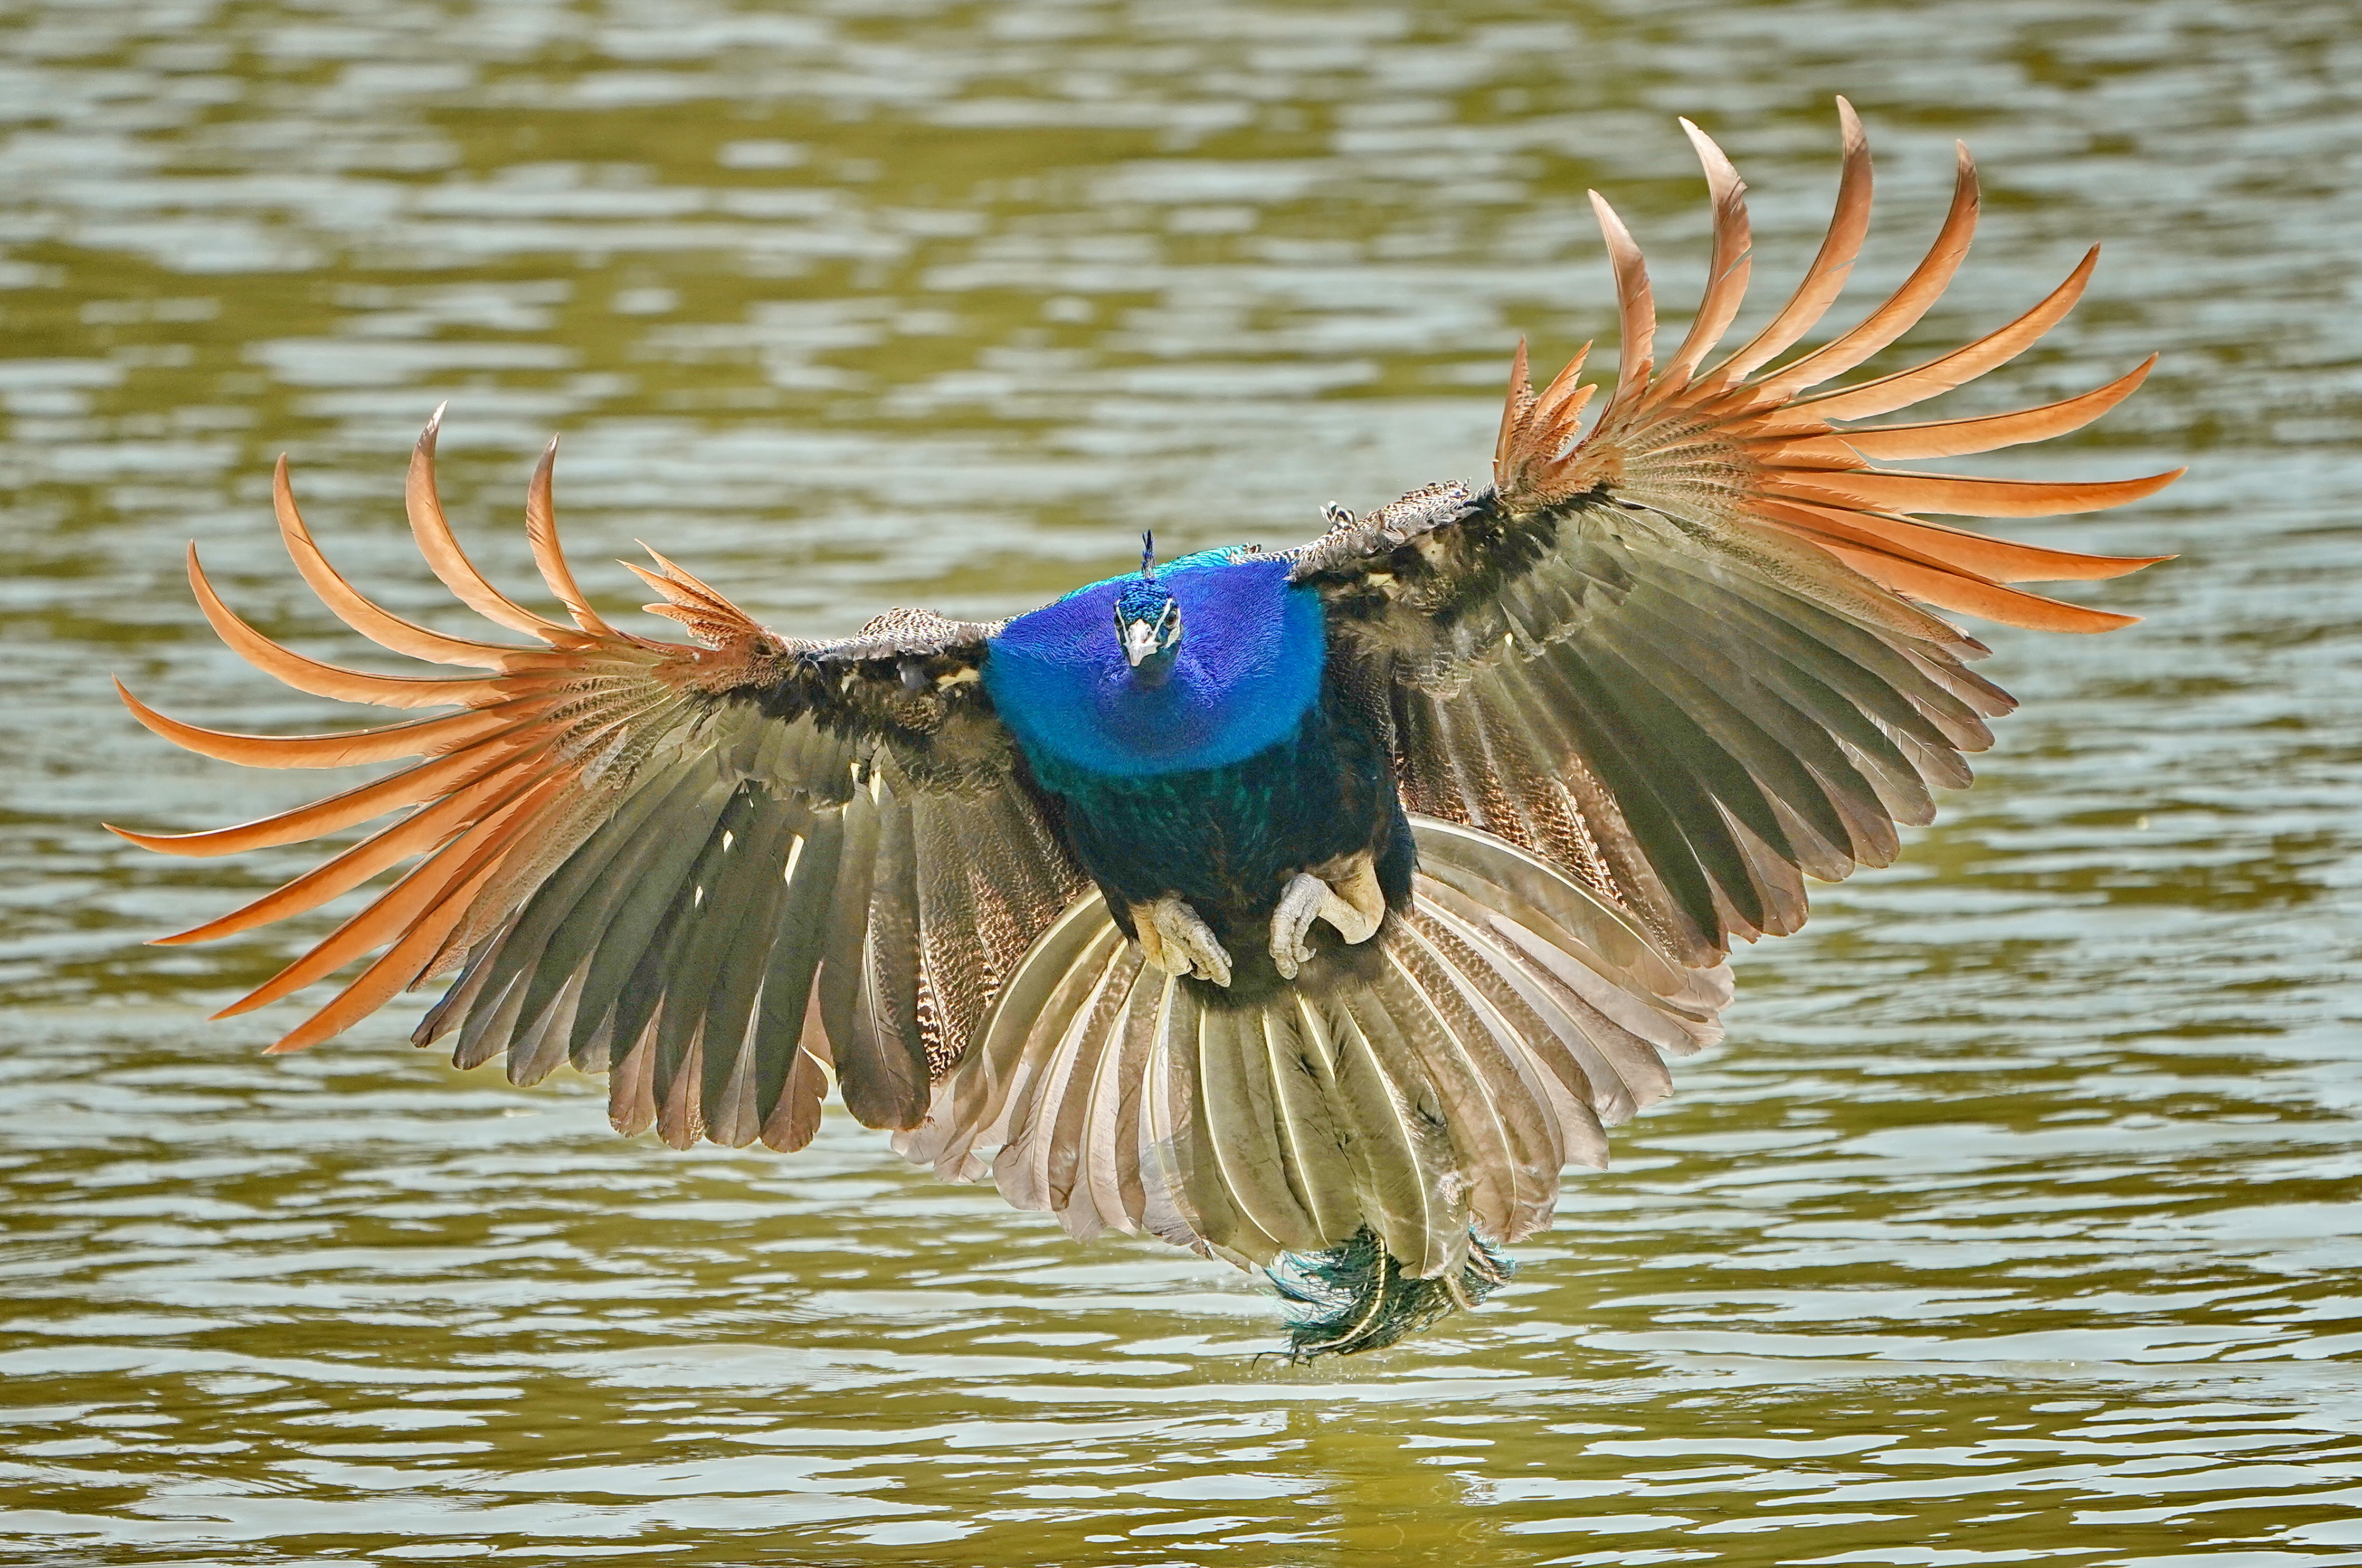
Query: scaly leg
(1172, 938)
(1352, 902)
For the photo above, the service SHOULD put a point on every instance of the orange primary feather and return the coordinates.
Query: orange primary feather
(386, 630)
(1849, 226)
(1726, 270)
(1990, 433)
(450, 563)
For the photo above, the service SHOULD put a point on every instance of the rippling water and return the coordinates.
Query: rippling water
(2019, 1220)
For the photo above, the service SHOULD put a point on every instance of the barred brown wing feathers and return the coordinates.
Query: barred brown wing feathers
(1684, 653)
(649, 858)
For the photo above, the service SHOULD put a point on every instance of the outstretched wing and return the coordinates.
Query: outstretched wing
(1683, 656)
(664, 861)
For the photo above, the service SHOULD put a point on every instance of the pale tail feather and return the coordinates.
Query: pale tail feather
(1417, 1095)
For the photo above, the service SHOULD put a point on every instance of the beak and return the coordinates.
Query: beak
(1139, 641)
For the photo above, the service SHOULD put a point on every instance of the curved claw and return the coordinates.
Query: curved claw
(1299, 906)
(1356, 913)
(1176, 940)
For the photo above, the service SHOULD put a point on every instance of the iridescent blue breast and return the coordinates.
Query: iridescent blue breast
(1249, 667)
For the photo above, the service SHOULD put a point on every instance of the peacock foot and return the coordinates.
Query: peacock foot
(1345, 893)
(1172, 938)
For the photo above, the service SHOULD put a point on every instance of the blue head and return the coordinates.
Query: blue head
(1141, 703)
(1148, 622)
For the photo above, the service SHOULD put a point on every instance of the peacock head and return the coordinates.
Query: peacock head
(1148, 622)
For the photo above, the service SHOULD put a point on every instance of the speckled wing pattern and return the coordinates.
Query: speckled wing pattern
(711, 870)
(1684, 655)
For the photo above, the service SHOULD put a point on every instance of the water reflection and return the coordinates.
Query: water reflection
(2017, 1222)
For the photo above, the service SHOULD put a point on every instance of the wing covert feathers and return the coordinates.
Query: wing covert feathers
(721, 871)
(1430, 1084)
(1685, 653)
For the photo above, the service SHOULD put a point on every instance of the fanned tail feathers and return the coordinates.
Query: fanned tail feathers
(1422, 1091)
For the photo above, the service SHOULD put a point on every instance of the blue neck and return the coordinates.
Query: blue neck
(1249, 667)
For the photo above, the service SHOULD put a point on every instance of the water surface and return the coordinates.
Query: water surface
(2018, 1222)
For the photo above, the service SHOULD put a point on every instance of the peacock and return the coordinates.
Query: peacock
(1313, 909)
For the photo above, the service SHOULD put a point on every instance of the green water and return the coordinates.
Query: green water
(2020, 1220)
